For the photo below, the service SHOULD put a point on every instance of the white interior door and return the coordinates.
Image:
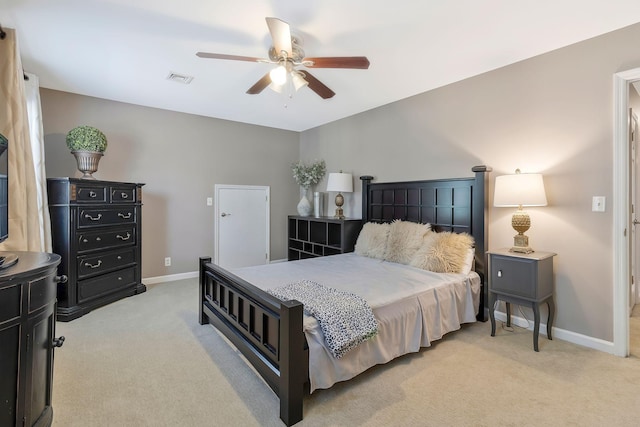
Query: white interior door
(241, 225)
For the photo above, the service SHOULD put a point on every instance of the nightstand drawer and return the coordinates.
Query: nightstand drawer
(529, 277)
(513, 276)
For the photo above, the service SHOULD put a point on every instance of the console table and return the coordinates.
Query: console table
(27, 328)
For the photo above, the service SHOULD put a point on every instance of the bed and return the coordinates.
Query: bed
(277, 339)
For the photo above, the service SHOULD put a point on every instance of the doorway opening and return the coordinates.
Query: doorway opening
(622, 218)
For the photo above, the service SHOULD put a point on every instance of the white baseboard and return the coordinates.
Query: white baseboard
(181, 276)
(562, 334)
(169, 278)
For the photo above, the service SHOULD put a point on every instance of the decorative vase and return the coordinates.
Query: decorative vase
(304, 206)
(87, 162)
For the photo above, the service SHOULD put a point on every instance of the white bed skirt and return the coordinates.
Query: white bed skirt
(413, 307)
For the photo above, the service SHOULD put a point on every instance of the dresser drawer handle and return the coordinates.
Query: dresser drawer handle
(93, 194)
(124, 195)
(86, 264)
(98, 239)
(127, 216)
(57, 342)
(123, 238)
(119, 257)
(92, 218)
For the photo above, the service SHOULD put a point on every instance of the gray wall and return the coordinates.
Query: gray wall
(180, 157)
(551, 114)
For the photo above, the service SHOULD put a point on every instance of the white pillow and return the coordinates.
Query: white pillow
(372, 240)
(469, 262)
(445, 252)
(405, 238)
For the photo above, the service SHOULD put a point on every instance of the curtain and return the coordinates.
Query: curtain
(36, 134)
(28, 211)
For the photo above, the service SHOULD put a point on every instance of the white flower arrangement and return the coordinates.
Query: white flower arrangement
(308, 175)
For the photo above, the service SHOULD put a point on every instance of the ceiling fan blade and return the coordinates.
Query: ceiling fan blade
(317, 86)
(359, 62)
(230, 57)
(281, 35)
(260, 85)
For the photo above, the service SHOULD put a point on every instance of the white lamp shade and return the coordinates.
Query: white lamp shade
(520, 189)
(340, 182)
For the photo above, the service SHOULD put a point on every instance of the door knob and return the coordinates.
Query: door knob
(225, 214)
(635, 221)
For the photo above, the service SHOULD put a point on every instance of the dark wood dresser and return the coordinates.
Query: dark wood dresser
(27, 331)
(96, 229)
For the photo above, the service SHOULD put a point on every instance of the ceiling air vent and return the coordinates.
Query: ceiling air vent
(179, 78)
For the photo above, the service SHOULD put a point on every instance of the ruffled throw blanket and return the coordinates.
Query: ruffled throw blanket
(346, 319)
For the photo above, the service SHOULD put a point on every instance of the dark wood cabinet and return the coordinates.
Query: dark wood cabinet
(321, 236)
(27, 331)
(96, 229)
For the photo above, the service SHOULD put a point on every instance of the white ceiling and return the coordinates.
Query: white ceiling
(123, 50)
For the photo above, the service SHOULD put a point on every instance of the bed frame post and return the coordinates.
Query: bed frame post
(203, 319)
(292, 366)
(480, 222)
(366, 181)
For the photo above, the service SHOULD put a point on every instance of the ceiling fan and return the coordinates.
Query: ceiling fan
(288, 54)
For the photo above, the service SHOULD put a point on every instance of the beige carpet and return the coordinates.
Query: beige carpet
(145, 361)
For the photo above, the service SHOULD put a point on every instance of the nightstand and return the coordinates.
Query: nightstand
(523, 279)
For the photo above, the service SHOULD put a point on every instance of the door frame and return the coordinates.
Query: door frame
(216, 223)
(621, 210)
(632, 132)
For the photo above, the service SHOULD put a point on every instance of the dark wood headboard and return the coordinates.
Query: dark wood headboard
(456, 204)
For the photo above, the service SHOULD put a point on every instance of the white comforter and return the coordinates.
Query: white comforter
(413, 307)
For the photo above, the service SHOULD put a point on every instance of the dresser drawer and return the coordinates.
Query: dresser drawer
(10, 303)
(106, 216)
(122, 194)
(42, 292)
(85, 193)
(98, 264)
(105, 284)
(106, 238)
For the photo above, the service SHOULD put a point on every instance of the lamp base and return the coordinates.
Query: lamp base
(521, 244)
(339, 202)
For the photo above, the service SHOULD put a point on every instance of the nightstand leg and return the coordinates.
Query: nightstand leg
(508, 305)
(536, 324)
(552, 308)
(492, 315)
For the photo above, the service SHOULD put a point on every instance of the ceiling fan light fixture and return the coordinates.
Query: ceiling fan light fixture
(278, 75)
(298, 80)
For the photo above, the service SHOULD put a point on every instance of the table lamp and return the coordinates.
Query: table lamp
(520, 189)
(342, 183)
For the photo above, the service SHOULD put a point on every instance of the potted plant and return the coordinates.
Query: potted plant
(307, 176)
(87, 144)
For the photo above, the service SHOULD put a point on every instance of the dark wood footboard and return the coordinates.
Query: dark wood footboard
(266, 330)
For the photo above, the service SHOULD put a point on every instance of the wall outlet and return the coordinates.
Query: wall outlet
(598, 204)
(167, 261)
(209, 201)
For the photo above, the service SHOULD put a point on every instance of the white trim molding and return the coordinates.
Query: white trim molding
(621, 208)
(557, 333)
(170, 278)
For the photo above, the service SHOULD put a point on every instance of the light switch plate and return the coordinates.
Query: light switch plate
(598, 204)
